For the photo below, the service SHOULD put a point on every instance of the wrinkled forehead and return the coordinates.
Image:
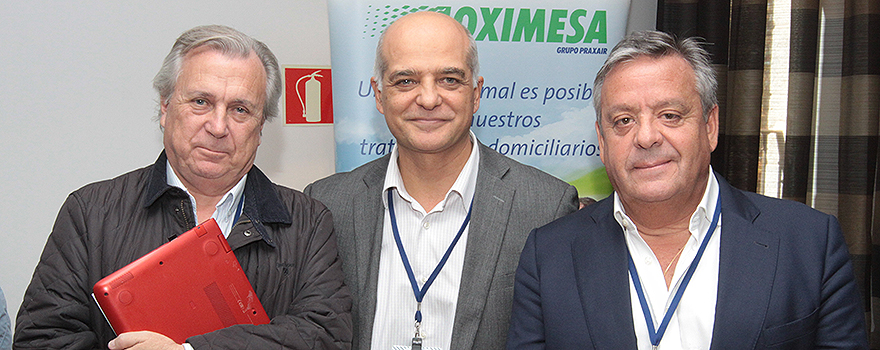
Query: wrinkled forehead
(423, 57)
(211, 72)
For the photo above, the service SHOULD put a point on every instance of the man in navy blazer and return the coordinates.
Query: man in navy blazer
(677, 258)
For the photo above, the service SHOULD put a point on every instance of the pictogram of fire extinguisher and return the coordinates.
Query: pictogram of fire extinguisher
(312, 106)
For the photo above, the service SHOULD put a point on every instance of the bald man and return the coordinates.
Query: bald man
(432, 232)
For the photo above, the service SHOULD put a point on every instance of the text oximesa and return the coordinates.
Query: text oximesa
(532, 25)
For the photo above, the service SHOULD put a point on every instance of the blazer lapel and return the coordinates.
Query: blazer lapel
(746, 272)
(600, 267)
(369, 213)
(492, 205)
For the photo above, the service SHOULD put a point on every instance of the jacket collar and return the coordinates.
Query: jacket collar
(262, 205)
(747, 262)
(157, 182)
(605, 297)
(493, 202)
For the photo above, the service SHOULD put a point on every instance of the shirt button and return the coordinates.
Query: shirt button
(648, 261)
(247, 233)
(426, 224)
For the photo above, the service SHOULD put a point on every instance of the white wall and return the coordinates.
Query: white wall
(76, 103)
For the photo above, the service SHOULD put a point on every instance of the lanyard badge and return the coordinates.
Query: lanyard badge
(634, 275)
(420, 293)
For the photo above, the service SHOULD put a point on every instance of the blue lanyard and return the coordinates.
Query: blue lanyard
(634, 275)
(420, 293)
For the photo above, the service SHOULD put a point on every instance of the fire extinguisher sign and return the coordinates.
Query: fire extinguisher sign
(308, 97)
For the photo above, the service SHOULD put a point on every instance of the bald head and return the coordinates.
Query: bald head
(425, 27)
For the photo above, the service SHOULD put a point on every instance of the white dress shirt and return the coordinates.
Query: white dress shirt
(426, 234)
(692, 323)
(224, 211)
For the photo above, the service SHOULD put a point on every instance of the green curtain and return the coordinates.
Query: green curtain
(830, 149)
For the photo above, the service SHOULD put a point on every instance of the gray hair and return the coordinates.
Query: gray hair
(229, 42)
(656, 44)
(473, 61)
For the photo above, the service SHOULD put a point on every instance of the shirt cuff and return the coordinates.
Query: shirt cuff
(187, 346)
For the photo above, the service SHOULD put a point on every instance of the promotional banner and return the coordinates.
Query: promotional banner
(538, 60)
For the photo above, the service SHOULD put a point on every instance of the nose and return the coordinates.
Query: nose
(217, 124)
(647, 133)
(429, 96)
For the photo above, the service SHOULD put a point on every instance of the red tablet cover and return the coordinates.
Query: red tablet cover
(189, 286)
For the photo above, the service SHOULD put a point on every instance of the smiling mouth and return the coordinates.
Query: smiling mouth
(428, 123)
(648, 166)
(428, 120)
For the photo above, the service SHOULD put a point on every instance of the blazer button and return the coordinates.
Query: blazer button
(247, 233)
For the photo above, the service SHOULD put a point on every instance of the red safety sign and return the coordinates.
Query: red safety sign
(308, 98)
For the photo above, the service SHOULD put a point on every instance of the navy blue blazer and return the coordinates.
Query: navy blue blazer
(785, 281)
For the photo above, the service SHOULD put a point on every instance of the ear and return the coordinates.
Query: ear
(601, 143)
(712, 128)
(163, 111)
(378, 94)
(478, 89)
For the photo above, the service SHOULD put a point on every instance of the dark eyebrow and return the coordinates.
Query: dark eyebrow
(620, 108)
(401, 73)
(454, 71)
(673, 103)
(444, 71)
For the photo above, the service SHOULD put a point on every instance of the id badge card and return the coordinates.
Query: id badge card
(408, 347)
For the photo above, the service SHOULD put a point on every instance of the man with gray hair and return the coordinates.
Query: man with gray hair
(217, 87)
(677, 258)
(430, 234)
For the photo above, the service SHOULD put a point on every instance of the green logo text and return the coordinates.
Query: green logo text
(532, 25)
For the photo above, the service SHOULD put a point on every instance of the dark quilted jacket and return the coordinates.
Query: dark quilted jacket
(283, 240)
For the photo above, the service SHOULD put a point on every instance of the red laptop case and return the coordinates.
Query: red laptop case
(189, 286)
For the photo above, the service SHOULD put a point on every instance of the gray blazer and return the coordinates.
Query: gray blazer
(511, 199)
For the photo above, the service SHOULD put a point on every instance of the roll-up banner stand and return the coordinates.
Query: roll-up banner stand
(538, 59)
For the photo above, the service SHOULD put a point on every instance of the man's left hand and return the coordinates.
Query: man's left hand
(143, 340)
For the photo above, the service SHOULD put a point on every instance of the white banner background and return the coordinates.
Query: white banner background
(538, 61)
